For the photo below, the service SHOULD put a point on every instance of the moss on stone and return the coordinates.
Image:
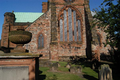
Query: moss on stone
(20, 54)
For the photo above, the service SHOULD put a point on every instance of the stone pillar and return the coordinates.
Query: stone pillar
(44, 7)
(9, 19)
(53, 23)
(91, 33)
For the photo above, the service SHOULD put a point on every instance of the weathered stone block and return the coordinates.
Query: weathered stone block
(105, 72)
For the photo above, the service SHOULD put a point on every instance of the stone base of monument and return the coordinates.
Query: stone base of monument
(21, 66)
(19, 49)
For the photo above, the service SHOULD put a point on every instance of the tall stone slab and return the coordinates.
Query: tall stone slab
(105, 72)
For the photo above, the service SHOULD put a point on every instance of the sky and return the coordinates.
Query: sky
(29, 6)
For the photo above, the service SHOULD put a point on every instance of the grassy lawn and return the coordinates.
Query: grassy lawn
(63, 73)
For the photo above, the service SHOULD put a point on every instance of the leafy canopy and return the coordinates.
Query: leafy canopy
(108, 18)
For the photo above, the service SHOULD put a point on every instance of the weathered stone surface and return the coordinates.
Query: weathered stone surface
(105, 72)
(54, 67)
(68, 65)
(1, 52)
(76, 70)
(45, 63)
(19, 67)
(18, 73)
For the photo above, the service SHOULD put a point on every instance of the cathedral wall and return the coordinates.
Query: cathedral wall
(69, 48)
(40, 26)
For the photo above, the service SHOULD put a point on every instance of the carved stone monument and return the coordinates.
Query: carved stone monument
(105, 73)
(19, 65)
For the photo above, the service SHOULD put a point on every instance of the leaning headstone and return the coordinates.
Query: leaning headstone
(54, 67)
(105, 72)
(68, 66)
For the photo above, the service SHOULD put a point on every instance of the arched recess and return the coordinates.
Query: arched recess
(40, 41)
(70, 24)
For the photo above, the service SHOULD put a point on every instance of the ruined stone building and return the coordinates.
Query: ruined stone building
(63, 29)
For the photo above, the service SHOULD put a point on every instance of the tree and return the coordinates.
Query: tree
(108, 18)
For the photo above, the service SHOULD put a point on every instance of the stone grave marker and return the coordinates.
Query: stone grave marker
(54, 67)
(76, 70)
(73, 70)
(68, 66)
(105, 72)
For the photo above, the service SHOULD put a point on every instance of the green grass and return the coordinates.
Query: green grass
(63, 73)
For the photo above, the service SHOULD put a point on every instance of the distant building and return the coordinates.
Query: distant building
(60, 31)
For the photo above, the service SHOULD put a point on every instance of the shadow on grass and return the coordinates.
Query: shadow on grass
(41, 76)
(88, 77)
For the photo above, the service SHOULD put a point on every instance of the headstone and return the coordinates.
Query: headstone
(58, 64)
(68, 66)
(105, 73)
(54, 67)
(79, 69)
(45, 63)
(76, 70)
(73, 70)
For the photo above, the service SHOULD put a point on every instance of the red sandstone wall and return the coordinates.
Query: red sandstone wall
(44, 7)
(43, 26)
(40, 26)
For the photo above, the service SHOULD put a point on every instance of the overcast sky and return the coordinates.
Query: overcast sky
(29, 6)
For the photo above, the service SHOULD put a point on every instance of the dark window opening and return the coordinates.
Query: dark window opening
(40, 41)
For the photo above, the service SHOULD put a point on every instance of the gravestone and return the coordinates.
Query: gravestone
(105, 72)
(79, 69)
(54, 67)
(45, 63)
(73, 70)
(58, 64)
(76, 70)
(68, 66)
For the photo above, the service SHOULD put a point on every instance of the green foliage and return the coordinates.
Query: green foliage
(108, 18)
(54, 77)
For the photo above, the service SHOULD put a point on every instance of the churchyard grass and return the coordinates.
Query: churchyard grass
(64, 74)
